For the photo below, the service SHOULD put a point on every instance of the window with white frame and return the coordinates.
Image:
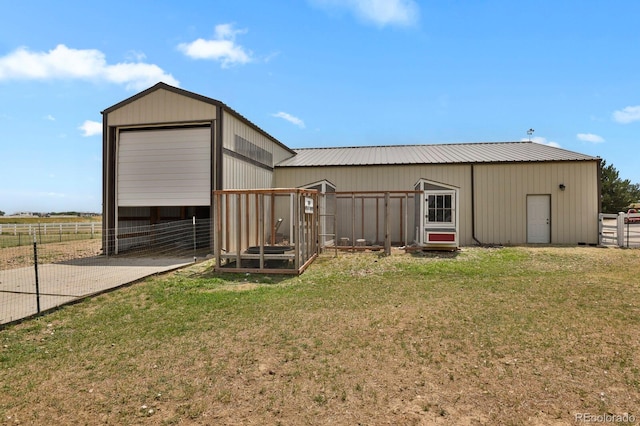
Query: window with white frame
(440, 208)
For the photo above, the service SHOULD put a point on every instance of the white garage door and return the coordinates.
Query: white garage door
(170, 167)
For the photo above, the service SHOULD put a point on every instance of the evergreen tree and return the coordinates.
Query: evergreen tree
(617, 194)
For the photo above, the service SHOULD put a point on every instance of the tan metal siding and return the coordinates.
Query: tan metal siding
(501, 196)
(374, 178)
(238, 174)
(387, 178)
(232, 127)
(162, 106)
(241, 173)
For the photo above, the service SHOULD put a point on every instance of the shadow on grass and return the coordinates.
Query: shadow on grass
(208, 273)
(436, 254)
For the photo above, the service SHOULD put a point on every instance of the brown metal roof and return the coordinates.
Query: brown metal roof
(465, 153)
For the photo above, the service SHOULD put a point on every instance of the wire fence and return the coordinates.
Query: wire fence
(46, 274)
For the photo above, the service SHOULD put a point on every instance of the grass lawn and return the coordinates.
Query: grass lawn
(508, 336)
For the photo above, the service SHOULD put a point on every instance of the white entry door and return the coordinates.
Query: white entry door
(539, 219)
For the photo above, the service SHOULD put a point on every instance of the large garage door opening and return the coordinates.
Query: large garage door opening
(164, 167)
(163, 189)
(170, 230)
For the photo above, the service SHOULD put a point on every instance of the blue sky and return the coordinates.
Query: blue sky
(315, 73)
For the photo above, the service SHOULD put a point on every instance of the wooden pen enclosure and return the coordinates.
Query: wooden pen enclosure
(266, 230)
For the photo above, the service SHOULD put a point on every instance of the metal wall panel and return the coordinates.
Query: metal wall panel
(239, 174)
(386, 178)
(162, 106)
(501, 197)
(500, 194)
(232, 127)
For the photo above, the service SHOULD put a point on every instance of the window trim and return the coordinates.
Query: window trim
(453, 210)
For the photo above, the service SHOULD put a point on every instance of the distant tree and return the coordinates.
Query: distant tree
(1, 213)
(617, 194)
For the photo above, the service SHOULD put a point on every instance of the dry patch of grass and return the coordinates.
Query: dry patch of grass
(483, 336)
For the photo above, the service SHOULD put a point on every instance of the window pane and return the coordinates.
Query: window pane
(440, 208)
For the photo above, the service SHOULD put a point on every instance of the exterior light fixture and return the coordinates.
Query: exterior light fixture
(562, 187)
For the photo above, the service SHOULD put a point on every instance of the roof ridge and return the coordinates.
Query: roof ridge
(412, 145)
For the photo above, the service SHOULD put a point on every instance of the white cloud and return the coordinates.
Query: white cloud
(402, 13)
(627, 115)
(271, 56)
(590, 137)
(222, 48)
(136, 56)
(84, 64)
(138, 76)
(290, 118)
(91, 128)
(49, 117)
(542, 141)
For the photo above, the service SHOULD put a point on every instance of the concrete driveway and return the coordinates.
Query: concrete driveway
(61, 283)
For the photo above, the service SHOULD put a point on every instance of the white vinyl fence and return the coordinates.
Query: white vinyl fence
(19, 234)
(619, 230)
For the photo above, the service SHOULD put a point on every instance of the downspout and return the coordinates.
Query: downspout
(473, 207)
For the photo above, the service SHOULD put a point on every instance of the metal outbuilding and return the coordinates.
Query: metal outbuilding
(501, 193)
(166, 150)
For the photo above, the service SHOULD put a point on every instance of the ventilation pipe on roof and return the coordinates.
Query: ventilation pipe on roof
(473, 207)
